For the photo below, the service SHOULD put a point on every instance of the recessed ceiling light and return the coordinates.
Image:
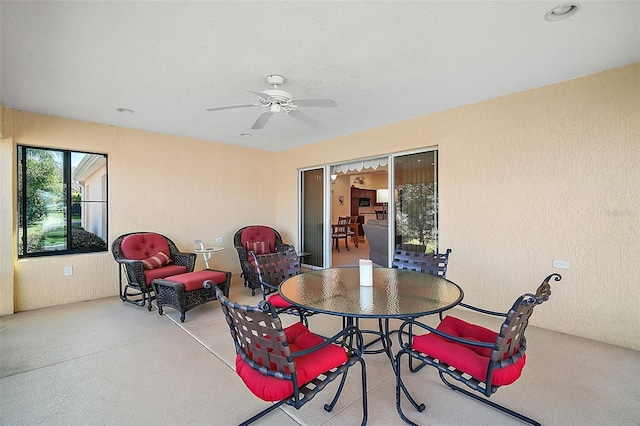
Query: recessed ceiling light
(125, 110)
(561, 12)
(246, 135)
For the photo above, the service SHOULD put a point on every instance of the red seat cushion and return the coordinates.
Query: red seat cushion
(165, 271)
(277, 301)
(143, 245)
(259, 239)
(194, 280)
(308, 367)
(470, 359)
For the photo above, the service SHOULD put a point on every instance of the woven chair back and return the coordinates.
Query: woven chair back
(428, 263)
(274, 268)
(259, 337)
(511, 342)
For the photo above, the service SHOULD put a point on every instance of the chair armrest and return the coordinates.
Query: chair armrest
(414, 323)
(285, 247)
(484, 311)
(184, 259)
(345, 337)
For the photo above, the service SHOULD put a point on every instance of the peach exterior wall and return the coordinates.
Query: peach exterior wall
(551, 173)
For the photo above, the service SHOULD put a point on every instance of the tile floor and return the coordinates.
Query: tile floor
(104, 362)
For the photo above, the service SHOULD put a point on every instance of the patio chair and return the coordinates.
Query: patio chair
(146, 256)
(274, 268)
(289, 365)
(259, 239)
(482, 359)
(428, 263)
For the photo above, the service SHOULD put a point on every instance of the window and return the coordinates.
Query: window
(62, 202)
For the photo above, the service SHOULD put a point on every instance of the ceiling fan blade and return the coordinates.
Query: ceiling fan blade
(262, 120)
(300, 116)
(231, 107)
(315, 102)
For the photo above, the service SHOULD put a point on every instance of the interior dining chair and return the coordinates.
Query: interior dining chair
(340, 232)
(482, 359)
(289, 365)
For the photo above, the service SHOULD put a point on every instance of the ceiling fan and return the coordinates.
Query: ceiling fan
(278, 101)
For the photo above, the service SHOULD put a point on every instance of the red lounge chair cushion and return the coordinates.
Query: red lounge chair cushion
(263, 235)
(194, 280)
(277, 301)
(308, 367)
(143, 245)
(165, 271)
(470, 359)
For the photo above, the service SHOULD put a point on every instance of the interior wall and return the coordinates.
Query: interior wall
(550, 173)
(183, 188)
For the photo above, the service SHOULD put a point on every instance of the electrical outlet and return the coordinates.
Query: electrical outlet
(219, 240)
(560, 264)
(197, 242)
(68, 270)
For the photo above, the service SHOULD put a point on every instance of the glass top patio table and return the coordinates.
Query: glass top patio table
(396, 293)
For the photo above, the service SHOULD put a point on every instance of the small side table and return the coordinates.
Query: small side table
(206, 253)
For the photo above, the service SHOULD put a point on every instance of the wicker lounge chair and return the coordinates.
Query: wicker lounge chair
(259, 239)
(144, 257)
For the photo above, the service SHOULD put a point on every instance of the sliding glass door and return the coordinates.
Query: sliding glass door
(412, 208)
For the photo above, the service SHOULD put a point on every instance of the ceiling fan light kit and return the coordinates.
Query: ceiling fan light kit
(279, 101)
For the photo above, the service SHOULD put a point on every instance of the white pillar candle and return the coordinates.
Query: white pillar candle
(366, 272)
(366, 299)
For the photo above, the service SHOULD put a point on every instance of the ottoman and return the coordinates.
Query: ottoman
(185, 291)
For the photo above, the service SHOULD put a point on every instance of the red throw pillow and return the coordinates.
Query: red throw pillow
(260, 247)
(158, 260)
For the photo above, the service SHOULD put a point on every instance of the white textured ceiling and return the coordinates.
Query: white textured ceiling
(382, 62)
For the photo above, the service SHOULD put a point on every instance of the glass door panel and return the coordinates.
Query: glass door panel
(312, 228)
(416, 201)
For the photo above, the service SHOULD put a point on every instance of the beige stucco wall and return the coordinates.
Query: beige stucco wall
(186, 189)
(551, 173)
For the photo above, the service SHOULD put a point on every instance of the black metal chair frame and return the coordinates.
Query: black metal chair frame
(249, 325)
(248, 271)
(427, 263)
(510, 340)
(137, 290)
(273, 269)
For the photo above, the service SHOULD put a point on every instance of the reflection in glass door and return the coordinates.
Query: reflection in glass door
(416, 201)
(312, 214)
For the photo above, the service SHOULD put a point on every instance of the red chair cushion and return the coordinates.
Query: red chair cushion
(143, 245)
(308, 367)
(164, 272)
(259, 234)
(194, 280)
(277, 301)
(470, 359)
